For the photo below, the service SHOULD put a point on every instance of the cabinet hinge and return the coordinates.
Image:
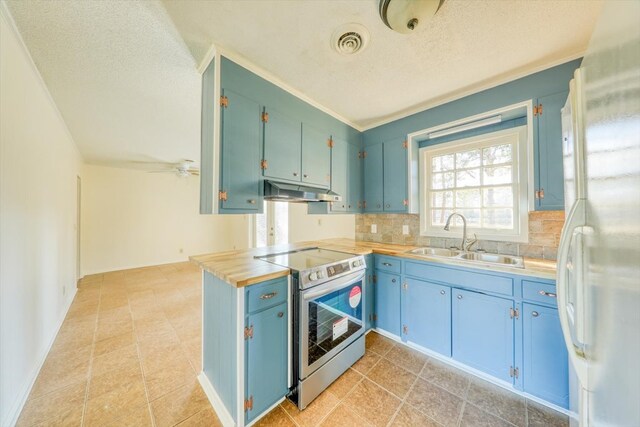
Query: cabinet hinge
(537, 110)
(514, 313)
(405, 329)
(248, 332)
(514, 372)
(405, 144)
(405, 202)
(375, 317)
(222, 195)
(375, 278)
(330, 142)
(264, 164)
(248, 404)
(264, 117)
(539, 194)
(362, 154)
(364, 204)
(224, 101)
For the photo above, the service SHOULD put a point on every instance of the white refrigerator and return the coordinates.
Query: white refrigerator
(599, 254)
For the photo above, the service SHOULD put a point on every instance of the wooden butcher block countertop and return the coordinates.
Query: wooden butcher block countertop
(241, 268)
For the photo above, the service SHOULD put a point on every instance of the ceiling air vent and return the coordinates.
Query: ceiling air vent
(349, 39)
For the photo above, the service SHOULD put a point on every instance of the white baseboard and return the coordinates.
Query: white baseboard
(223, 414)
(12, 416)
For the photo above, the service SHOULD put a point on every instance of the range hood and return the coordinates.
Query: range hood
(283, 192)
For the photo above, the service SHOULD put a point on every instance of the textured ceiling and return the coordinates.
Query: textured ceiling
(469, 43)
(121, 75)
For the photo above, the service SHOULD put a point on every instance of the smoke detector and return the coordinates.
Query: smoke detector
(350, 39)
(404, 16)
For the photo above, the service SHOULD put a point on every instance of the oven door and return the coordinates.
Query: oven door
(331, 318)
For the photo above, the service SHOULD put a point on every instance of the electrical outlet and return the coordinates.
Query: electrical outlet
(405, 230)
(374, 228)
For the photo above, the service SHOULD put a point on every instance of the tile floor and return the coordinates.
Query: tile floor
(129, 351)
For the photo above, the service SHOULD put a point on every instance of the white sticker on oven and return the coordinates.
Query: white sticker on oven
(355, 296)
(340, 327)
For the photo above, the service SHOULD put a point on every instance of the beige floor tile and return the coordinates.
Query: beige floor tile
(153, 329)
(342, 416)
(123, 356)
(315, 412)
(62, 369)
(392, 378)
(449, 378)
(114, 314)
(110, 405)
(475, 417)
(139, 416)
(155, 359)
(114, 343)
(366, 362)
(378, 343)
(169, 378)
(110, 329)
(408, 416)
(343, 385)
(62, 407)
(497, 401)
(72, 339)
(276, 418)
(407, 358)
(193, 350)
(179, 405)
(205, 418)
(376, 405)
(435, 402)
(128, 374)
(541, 416)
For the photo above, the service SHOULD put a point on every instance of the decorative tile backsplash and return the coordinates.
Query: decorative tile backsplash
(544, 234)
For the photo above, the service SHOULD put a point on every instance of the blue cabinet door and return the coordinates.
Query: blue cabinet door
(282, 147)
(426, 315)
(339, 173)
(549, 153)
(545, 371)
(373, 178)
(316, 156)
(395, 176)
(267, 359)
(369, 295)
(482, 332)
(387, 302)
(240, 164)
(354, 167)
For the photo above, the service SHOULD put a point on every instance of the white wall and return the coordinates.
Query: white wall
(39, 163)
(133, 218)
(303, 226)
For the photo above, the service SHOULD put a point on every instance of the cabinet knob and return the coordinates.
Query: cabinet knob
(378, 205)
(280, 314)
(442, 292)
(459, 296)
(393, 280)
(388, 205)
(547, 294)
(269, 295)
(251, 202)
(305, 175)
(535, 314)
(388, 264)
(295, 174)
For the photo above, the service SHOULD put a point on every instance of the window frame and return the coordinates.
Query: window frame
(522, 164)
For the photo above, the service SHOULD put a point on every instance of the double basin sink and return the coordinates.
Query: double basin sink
(474, 257)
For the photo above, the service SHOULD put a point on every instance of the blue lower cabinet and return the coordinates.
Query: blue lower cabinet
(369, 295)
(483, 333)
(545, 359)
(387, 302)
(426, 315)
(266, 359)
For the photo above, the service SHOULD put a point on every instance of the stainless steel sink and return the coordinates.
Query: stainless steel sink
(513, 261)
(435, 252)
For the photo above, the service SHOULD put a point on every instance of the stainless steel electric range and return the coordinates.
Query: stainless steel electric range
(328, 317)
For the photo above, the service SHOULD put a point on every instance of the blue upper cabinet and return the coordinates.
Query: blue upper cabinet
(483, 333)
(548, 129)
(373, 178)
(354, 166)
(545, 359)
(240, 144)
(426, 315)
(395, 175)
(282, 146)
(339, 173)
(316, 156)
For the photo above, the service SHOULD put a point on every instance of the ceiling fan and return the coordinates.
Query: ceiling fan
(183, 168)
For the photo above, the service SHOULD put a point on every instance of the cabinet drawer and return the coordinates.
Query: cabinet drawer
(461, 278)
(392, 265)
(266, 294)
(539, 292)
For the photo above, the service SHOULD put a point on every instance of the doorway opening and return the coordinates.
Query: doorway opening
(272, 226)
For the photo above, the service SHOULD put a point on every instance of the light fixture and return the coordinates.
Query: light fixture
(404, 16)
(464, 127)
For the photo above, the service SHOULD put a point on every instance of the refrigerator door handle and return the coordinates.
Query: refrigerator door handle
(572, 316)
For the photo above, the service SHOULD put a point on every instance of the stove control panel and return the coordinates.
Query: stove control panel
(321, 274)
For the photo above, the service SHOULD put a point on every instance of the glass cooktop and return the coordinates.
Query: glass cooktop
(305, 259)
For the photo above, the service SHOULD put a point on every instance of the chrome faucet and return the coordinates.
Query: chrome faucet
(464, 227)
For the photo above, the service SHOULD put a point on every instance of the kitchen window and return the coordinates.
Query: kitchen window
(483, 178)
(272, 226)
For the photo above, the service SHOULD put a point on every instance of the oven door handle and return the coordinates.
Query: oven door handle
(333, 285)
